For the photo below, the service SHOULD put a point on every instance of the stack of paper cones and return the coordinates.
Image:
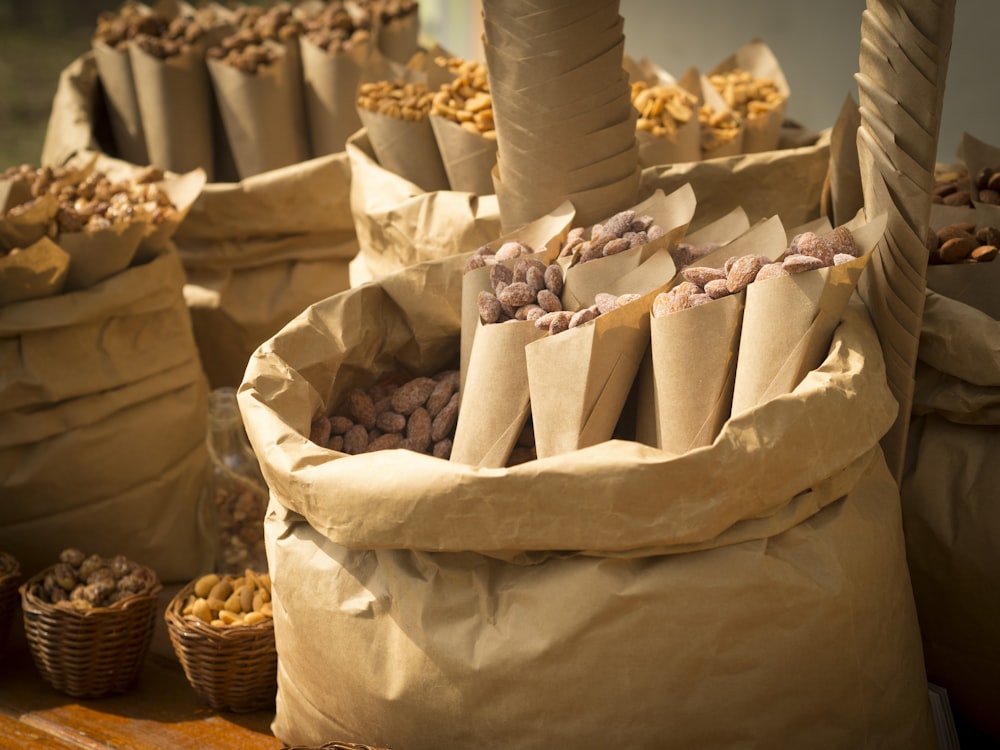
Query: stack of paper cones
(905, 45)
(561, 103)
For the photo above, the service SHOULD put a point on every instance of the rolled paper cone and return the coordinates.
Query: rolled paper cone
(900, 158)
(692, 402)
(912, 63)
(98, 255)
(976, 154)
(29, 223)
(680, 147)
(175, 99)
(115, 72)
(908, 133)
(37, 271)
(542, 180)
(263, 114)
(527, 122)
(531, 20)
(488, 426)
(468, 157)
(593, 76)
(572, 154)
(543, 236)
(763, 131)
(407, 148)
(885, 76)
(718, 231)
(519, 45)
(709, 96)
(580, 379)
(594, 203)
(788, 321)
(183, 191)
(330, 90)
(397, 37)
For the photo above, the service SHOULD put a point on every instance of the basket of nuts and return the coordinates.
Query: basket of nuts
(10, 577)
(222, 632)
(89, 621)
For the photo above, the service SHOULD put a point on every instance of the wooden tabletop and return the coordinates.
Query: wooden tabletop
(160, 711)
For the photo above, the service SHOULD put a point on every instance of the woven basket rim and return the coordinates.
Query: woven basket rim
(31, 602)
(184, 626)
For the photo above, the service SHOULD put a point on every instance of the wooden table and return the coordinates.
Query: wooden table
(160, 711)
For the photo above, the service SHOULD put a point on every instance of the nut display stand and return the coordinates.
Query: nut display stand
(615, 595)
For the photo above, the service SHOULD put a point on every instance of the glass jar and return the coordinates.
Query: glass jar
(235, 487)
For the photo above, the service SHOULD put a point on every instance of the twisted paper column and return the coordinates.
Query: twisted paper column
(905, 46)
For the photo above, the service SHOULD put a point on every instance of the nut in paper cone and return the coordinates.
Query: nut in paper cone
(183, 191)
(406, 148)
(98, 255)
(489, 424)
(788, 320)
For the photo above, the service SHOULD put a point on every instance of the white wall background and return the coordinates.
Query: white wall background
(815, 41)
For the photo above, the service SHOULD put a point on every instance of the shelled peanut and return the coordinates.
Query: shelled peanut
(466, 99)
(621, 232)
(230, 601)
(419, 415)
(963, 243)
(662, 109)
(405, 100)
(807, 251)
(745, 94)
(80, 581)
(718, 127)
(95, 201)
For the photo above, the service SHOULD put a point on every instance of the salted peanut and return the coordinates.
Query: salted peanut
(718, 127)
(662, 109)
(466, 100)
(745, 94)
(404, 100)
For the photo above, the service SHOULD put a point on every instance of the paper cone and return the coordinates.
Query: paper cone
(331, 84)
(24, 223)
(468, 157)
(762, 132)
(544, 236)
(579, 380)
(534, 20)
(489, 425)
(719, 231)
(115, 72)
(397, 37)
(973, 284)
(672, 213)
(518, 42)
(37, 271)
(694, 368)
(788, 321)
(709, 148)
(551, 57)
(175, 99)
(183, 191)
(263, 113)
(406, 148)
(592, 204)
(97, 255)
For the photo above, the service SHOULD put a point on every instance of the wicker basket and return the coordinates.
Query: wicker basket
(231, 669)
(89, 653)
(9, 582)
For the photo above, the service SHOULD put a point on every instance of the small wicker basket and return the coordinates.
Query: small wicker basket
(231, 669)
(10, 579)
(89, 653)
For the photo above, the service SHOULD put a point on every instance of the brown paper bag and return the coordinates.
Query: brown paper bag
(38, 270)
(399, 225)
(487, 583)
(787, 322)
(949, 511)
(104, 412)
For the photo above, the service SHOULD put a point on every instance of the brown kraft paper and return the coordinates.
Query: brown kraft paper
(331, 85)
(115, 72)
(38, 270)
